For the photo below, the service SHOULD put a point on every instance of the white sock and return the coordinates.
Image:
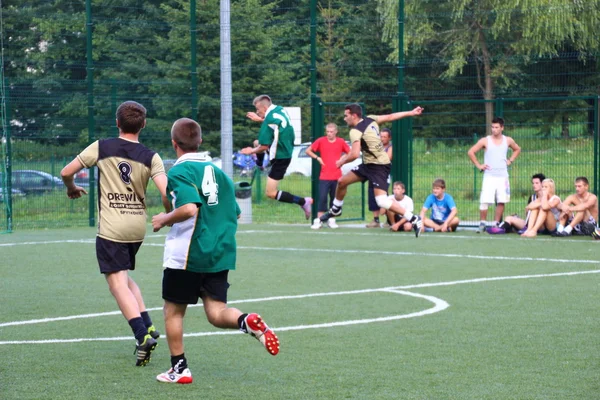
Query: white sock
(568, 228)
(559, 228)
(482, 223)
(408, 215)
(338, 203)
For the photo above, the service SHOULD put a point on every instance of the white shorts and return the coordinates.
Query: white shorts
(495, 190)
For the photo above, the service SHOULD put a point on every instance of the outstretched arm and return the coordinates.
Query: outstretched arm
(399, 115)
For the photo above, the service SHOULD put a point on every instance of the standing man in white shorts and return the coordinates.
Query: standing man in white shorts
(495, 187)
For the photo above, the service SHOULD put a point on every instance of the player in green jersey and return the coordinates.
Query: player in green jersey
(200, 249)
(277, 136)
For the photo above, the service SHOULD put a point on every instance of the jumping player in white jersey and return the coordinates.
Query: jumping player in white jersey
(495, 187)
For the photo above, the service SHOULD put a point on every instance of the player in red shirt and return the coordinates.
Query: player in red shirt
(330, 149)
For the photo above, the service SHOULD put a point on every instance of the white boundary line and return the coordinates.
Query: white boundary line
(378, 252)
(440, 305)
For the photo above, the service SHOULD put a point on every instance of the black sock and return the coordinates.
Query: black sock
(376, 219)
(179, 363)
(242, 323)
(286, 197)
(146, 318)
(139, 329)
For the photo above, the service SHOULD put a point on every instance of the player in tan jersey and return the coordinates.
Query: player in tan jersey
(125, 166)
(365, 137)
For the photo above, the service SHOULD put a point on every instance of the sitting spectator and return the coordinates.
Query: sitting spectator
(579, 211)
(544, 211)
(399, 222)
(443, 209)
(514, 222)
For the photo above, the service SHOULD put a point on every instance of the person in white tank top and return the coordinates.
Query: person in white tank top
(544, 210)
(496, 186)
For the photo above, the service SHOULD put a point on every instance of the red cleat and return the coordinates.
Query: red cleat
(259, 329)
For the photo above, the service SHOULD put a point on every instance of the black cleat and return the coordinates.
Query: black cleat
(144, 351)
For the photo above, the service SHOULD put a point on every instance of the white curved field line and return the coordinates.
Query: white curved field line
(439, 305)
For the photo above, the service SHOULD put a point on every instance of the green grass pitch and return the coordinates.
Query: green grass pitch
(361, 314)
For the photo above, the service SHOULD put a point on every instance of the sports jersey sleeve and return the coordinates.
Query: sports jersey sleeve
(355, 135)
(266, 134)
(410, 205)
(158, 167)
(450, 202)
(345, 147)
(316, 145)
(429, 201)
(182, 190)
(89, 156)
(374, 118)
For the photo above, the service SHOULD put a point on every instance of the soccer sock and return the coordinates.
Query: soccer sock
(146, 318)
(242, 323)
(568, 228)
(139, 329)
(179, 363)
(286, 197)
(482, 222)
(376, 219)
(338, 203)
(559, 228)
(408, 215)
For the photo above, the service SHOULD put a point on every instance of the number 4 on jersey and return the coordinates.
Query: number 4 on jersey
(210, 188)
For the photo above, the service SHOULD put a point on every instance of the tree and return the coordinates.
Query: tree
(497, 39)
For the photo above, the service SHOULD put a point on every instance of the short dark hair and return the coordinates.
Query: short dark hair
(187, 134)
(354, 108)
(131, 117)
(439, 182)
(498, 120)
(540, 176)
(388, 130)
(582, 179)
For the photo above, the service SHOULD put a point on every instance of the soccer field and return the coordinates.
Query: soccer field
(361, 314)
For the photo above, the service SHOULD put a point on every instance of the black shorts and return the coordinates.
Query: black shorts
(115, 256)
(326, 188)
(185, 287)
(376, 174)
(278, 168)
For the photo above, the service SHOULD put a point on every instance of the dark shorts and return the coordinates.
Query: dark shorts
(376, 174)
(278, 168)
(326, 188)
(185, 287)
(115, 256)
(438, 221)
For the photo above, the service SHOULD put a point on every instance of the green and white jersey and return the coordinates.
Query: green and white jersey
(206, 241)
(277, 132)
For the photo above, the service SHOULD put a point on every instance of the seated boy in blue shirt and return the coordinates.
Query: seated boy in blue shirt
(443, 209)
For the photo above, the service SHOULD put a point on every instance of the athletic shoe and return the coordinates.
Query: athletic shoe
(495, 230)
(331, 223)
(561, 234)
(307, 207)
(317, 224)
(373, 224)
(173, 377)
(144, 351)
(256, 327)
(417, 224)
(482, 227)
(335, 211)
(153, 332)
